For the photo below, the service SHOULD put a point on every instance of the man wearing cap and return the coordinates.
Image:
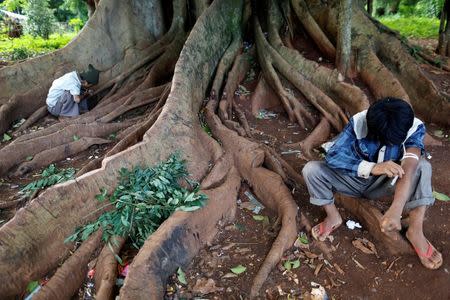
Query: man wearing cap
(67, 96)
(378, 154)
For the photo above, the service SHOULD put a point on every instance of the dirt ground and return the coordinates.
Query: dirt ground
(350, 274)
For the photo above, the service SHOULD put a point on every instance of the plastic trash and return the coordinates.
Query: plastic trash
(352, 224)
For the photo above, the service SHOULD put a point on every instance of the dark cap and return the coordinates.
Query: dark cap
(91, 75)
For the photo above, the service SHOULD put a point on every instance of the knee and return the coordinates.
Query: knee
(424, 167)
(311, 169)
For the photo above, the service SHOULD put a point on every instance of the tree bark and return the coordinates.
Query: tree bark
(344, 42)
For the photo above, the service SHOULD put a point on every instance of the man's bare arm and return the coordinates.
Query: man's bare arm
(391, 219)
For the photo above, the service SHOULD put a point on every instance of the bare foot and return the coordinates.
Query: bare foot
(390, 222)
(428, 255)
(322, 230)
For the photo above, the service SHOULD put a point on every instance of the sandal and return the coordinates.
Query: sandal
(323, 233)
(425, 257)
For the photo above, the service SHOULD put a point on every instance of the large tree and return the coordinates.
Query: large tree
(171, 73)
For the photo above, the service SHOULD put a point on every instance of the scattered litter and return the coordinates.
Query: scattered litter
(18, 123)
(318, 292)
(352, 224)
(439, 133)
(89, 291)
(446, 270)
(68, 158)
(124, 271)
(338, 268)
(365, 246)
(392, 264)
(265, 114)
(120, 282)
(14, 186)
(291, 152)
(205, 286)
(291, 264)
(318, 268)
(96, 157)
(229, 275)
(358, 263)
(254, 201)
(429, 156)
(242, 91)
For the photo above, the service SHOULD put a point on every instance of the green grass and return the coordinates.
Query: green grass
(29, 46)
(413, 26)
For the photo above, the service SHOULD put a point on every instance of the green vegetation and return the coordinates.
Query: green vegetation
(28, 46)
(412, 26)
(49, 176)
(143, 199)
(41, 19)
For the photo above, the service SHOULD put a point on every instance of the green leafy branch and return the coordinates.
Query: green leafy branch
(143, 199)
(49, 176)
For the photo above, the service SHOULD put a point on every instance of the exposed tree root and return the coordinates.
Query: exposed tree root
(106, 268)
(371, 217)
(318, 99)
(58, 153)
(380, 80)
(19, 151)
(317, 137)
(69, 277)
(38, 114)
(313, 29)
(267, 186)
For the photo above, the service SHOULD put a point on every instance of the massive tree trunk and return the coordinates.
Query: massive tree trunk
(169, 74)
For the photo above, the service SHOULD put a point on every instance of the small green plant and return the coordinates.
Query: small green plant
(76, 24)
(49, 176)
(143, 199)
(20, 53)
(40, 20)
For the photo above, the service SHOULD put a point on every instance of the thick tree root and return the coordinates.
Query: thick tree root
(371, 217)
(177, 241)
(19, 151)
(313, 29)
(106, 268)
(317, 137)
(69, 277)
(36, 116)
(317, 98)
(58, 153)
(268, 187)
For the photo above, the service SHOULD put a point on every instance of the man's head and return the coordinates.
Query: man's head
(89, 77)
(388, 120)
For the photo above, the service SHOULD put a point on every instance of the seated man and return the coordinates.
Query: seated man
(66, 97)
(378, 154)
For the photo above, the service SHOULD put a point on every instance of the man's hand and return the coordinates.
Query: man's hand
(388, 168)
(77, 98)
(390, 221)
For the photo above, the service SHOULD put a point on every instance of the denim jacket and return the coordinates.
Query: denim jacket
(354, 154)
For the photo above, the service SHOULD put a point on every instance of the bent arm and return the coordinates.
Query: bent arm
(404, 187)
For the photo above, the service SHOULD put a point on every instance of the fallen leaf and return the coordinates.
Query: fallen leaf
(337, 267)
(205, 286)
(229, 275)
(318, 268)
(365, 246)
(248, 205)
(229, 246)
(439, 133)
(258, 217)
(181, 276)
(310, 254)
(6, 137)
(358, 263)
(441, 196)
(238, 269)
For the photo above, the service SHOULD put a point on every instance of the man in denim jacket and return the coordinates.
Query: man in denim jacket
(378, 154)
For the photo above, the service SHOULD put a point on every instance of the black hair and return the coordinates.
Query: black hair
(388, 120)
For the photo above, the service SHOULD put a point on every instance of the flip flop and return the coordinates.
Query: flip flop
(323, 234)
(424, 257)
